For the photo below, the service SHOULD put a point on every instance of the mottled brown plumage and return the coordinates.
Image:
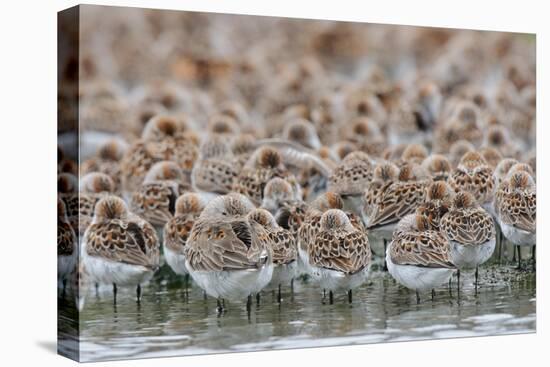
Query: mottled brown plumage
(119, 236)
(339, 245)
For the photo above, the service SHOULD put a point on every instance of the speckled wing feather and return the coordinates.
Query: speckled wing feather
(433, 211)
(397, 201)
(520, 210)
(66, 239)
(122, 241)
(291, 215)
(155, 201)
(135, 164)
(283, 245)
(309, 229)
(347, 252)
(180, 150)
(468, 227)
(480, 183)
(427, 249)
(177, 230)
(350, 179)
(371, 196)
(231, 245)
(214, 175)
(86, 202)
(71, 202)
(356, 221)
(251, 182)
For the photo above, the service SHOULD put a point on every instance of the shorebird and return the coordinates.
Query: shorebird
(163, 138)
(265, 164)
(474, 175)
(419, 257)
(227, 255)
(176, 231)
(119, 248)
(516, 209)
(155, 199)
(107, 161)
(339, 255)
(284, 250)
(350, 178)
(437, 166)
(471, 233)
(303, 132)
(67, 248)
(312, 224)
(391, 197)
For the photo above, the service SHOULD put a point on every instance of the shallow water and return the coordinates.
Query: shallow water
(169, 323)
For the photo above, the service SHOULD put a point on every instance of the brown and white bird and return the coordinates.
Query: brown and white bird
(339, 255)
(285, 256)
(471, 233)
(107, 161)
(419, 257)
(215, 170)
(119, 248)
(265, 164)
(93, 187)
(474, 175)
(437, 166)
(67, 245)
(155, 199)
(282, 201)
(163, 138)
(176, 231)
(516, 210)
(227, 255)
(393, 195)
(312, 224)
(350, 179)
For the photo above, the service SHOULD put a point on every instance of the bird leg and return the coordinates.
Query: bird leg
(248, 303)
(138, 293)
(186, 280)
(330, 297)
(114, 293)
(350, 299)
(385, 268)
(476, 277)
(519, 257)
(417, 297)
(433, 295)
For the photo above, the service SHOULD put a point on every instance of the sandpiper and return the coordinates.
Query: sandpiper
(119, 248)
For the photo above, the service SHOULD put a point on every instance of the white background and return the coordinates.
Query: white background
(28, 181)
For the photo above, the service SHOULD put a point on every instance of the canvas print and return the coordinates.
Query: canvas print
(234, 183)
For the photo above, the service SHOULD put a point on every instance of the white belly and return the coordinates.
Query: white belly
(232, 285)
(176, 261)
(303, 262)
(518, 236)
(283, 275)
(111, 272)
(334, 280)
(473, 255)
(65, 265)
(418, 278)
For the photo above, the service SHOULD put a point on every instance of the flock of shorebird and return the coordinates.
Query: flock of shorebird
(437, 175)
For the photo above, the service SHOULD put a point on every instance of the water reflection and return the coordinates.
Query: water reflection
(169, 323)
